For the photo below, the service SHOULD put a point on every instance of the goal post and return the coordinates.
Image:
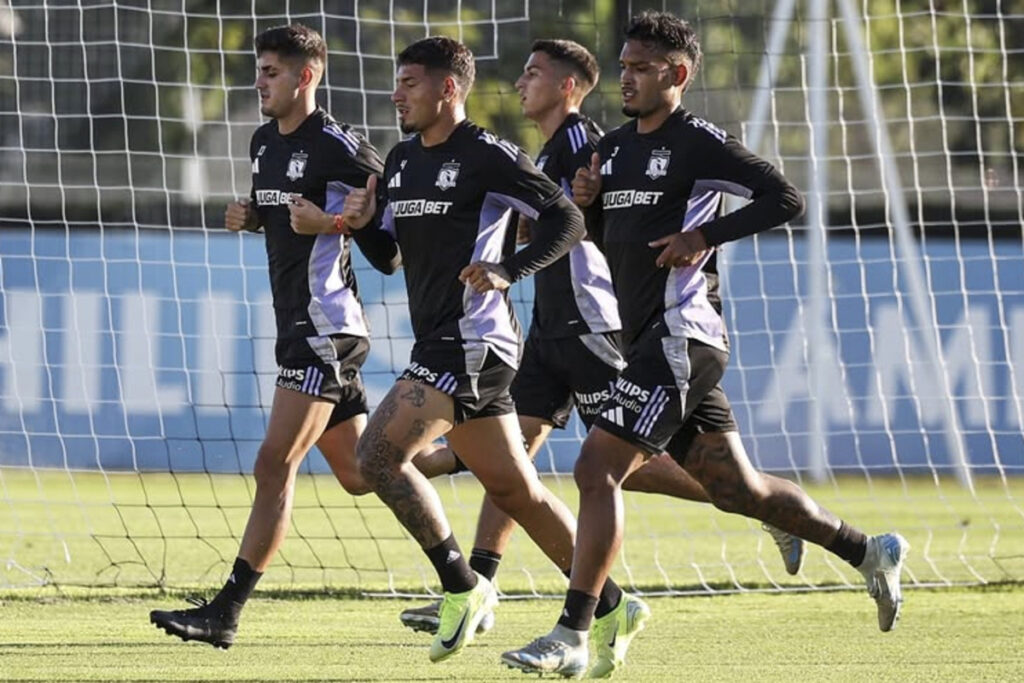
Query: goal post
(877, 343)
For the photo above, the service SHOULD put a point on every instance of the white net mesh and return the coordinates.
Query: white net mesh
(136, 336)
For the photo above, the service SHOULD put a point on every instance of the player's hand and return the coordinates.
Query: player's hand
(307, 218)
(239, 216)
(484, 277)
(361, 204)
(680, 249)
(524, 231)
(586, 185)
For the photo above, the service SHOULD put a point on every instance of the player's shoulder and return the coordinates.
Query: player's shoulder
(578, 133)
(263, 132)
(694, 126)
(488, 144)
(339, 135)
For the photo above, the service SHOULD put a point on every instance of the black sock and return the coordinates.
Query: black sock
(578, 611)
(849, 544)
(240, 584)
(609, 599)
(484, 562)
(451, 566)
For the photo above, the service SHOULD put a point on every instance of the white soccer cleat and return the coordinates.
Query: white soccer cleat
(459, 616)
(881, 568)
(427, 619)
(613, 633)
(547, 655)
(792, 548)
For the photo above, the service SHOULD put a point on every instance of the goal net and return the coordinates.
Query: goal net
(877, 342)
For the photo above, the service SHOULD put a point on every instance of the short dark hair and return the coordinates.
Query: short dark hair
(573, 55)
(295, 41)
(440, 53)
(669, 34)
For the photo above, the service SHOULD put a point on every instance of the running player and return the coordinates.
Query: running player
(303, 162)
(571, 357)
(447, 198)
(659, 178)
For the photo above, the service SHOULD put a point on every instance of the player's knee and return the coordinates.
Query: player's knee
(737, 496)
(271, 470)
(591, 472)
(353, 482)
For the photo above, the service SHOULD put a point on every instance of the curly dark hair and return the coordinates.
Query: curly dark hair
(573, 55)
(296, 41)
(440, 53)
(668, 34)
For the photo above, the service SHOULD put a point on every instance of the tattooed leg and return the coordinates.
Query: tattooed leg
(409, 418)
(720, 463)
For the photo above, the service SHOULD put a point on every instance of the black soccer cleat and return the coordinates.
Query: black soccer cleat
(207, 622)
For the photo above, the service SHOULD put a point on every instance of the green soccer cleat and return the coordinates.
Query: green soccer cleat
(460, 615)
(427, 618)
(613, 632)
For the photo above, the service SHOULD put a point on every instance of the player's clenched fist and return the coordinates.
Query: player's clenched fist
(361, 204)
(484, 277)
(306, 218)
(239, 216)
(586, 185)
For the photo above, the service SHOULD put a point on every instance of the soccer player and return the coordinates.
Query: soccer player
(303, 162)
(572, 356)
(447, 199)
(658, 178)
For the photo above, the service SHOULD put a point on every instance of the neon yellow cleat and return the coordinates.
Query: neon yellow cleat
(460, 614)
(613, 632)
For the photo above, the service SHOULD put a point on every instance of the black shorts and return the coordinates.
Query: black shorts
(668, 394)
(325, 367)
(471, 373)
(557, 374)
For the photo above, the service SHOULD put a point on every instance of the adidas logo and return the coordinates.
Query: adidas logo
(453, 555)
(565, 613)
(606, 168)
(614, 415)
(396, 180)
(231, 579)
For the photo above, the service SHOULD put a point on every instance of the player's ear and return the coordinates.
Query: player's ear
(449, 89)
(680, 73)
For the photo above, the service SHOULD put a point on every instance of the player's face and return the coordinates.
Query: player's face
(539, 87)
(277, 82)
(647, 80)
(418, 97)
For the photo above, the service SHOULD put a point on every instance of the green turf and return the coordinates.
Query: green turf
(130, 530)
(945, 635)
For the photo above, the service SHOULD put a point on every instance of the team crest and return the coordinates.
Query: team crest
(297, 166)
(657, 165)
(448, 174)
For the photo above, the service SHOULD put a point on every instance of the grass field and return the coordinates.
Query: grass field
(85, 557)
(945, 635)
(67, 530)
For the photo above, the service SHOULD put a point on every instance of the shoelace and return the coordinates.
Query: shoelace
(197, 601)
(546, 646)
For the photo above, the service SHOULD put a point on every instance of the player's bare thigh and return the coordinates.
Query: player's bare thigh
(297, 421)
(492, 448)
(407, 420)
